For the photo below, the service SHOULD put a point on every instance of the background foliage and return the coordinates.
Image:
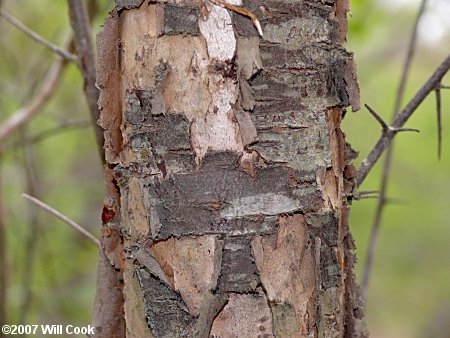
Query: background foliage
(409, 294)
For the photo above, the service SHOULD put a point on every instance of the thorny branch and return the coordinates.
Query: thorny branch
(382, 200)
(79, 18)
(386, 138)
(387, 128)
(64, 218)
(36, 37)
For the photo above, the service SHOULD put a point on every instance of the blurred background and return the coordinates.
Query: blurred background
(51, 269)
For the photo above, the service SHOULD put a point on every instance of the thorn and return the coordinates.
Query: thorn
(387, 128)
(397, 130)
(378, 118)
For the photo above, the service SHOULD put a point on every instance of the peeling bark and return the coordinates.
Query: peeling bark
(288, 263)
(244, 316)
(228, 177)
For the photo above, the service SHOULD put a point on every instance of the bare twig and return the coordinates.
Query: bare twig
(87, 67)
(386, 138)
(439, 120)
(24, 114)
(36, 37)
(47, 133)
(367, 194)
(367, 197)
(79, 18)
(64, 218)
(51, 132)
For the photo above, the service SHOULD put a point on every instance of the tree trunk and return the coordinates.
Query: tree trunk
(227, 174)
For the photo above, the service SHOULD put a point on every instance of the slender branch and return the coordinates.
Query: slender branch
(55, 131)
(384, 143)
(386, 138)
(38, 38)
(47, 133)
(80, 20)
(439, 120)
(367, 194)
(64, 218)
(367, 197)
(84, 45)
(24, 114)
(429, 86)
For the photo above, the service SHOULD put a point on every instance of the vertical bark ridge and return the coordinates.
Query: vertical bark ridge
(229, 172)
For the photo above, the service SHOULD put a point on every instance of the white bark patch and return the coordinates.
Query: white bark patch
(217, 131)
(265, 204)
(234, 2)
(218, 32)
(231, 2)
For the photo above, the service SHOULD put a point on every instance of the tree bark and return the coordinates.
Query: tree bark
(228, 177)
